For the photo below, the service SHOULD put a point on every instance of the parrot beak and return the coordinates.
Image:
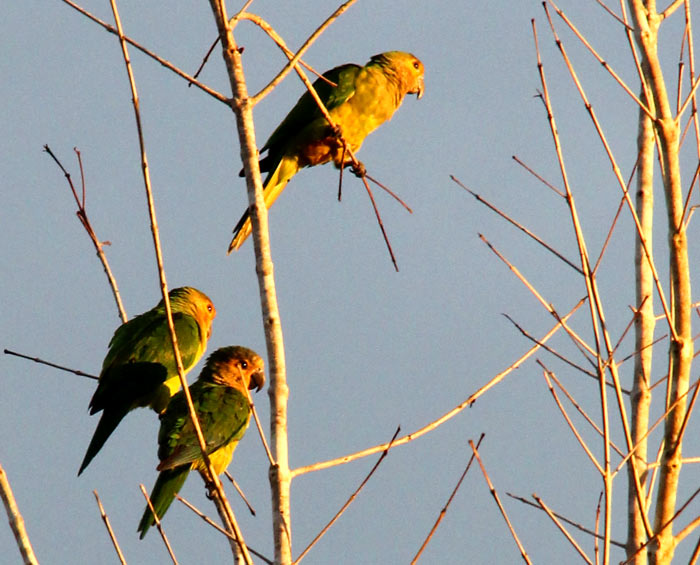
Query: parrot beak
(419, 89)
(257, 380)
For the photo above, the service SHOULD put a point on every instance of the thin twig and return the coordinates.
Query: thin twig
(49, 364)
(205, 59)
(166, 64)
(598, 537)
(494, 494)
(260, 430)
(381, 224)
(580, 410)
(689, 529)
(602, 61)
(240, 12)
(671, 8)
(595, 308)
(608, 238)
(613, 14)
(518, 225)
(576, 525)
(552, 350)
(548, 306)
(538, 177)
(105, 519)
(693, 182)
(349, 500)
(562, 529)
(635, 315)
(203, 516)
(292, 64)
(158, 523)
(635, 353)
(216, 526)
(583, 347)
(390, 193)
(442, 513)
(83, 217)
(240, 492)
(447, 416)
(228, 518)
(582, 443)
(696, 554)
(264, 26)
(690, 97)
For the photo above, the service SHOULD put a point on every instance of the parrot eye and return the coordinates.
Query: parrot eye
(416, 65)
(209, 307)
(244, 364)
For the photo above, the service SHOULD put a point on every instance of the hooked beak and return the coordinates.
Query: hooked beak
(419, 89)
(257, 380)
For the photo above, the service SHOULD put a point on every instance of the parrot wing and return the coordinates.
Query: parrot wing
(290, 147)
(223, 414)
(139, 361)
(141, 375)
(306, 110)
(168, 484)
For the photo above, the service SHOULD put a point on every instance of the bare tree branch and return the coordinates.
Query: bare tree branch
(16, 520)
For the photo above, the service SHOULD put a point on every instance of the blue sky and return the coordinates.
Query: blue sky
(367, 348)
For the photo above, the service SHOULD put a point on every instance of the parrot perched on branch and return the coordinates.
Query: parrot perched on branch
(362, 99)
(220, 399)
(139, 369)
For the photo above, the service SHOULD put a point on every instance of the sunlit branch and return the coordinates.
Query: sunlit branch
(445, 417)
(158, 523)
(502, 509)
(562, 529)
(442, 513)
(112, 537)
(166, 64)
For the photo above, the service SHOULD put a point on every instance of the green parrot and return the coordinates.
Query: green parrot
(364, 98)
(139, 369)
(221, 401)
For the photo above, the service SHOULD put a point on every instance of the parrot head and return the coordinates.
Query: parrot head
(237, 367)
(417, 71)
(407, 67)
(189, 300)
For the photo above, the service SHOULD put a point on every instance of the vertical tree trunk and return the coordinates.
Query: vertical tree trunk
(646, 22)
(640, 398)
(280, 477)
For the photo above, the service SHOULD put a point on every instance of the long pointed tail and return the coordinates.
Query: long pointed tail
(108, 423)
(167, 485)
(274, 184)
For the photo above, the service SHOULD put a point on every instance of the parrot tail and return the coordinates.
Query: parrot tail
(273, 186)
(108, 422)
(167, 485)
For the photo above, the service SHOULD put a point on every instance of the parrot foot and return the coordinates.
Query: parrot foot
(337, 132)
(359, 169)
(211, 490)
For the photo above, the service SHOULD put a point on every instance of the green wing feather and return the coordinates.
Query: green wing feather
(223, 414)
(145, 344)
(362, 100)
(294, 129)
(139, 368)
(286, 154)
(168, 484)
